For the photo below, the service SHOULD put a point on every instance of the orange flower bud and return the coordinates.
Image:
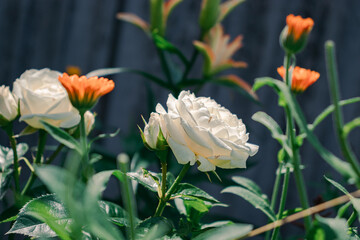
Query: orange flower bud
(84, 92)
(301, 78)
(294, 36)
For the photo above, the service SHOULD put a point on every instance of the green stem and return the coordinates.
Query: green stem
(10, 134)
(275, 193)
(162, 203)
(87, 169)
(165, 66)
(299, 179)
(190, 65)
(163, 179)
(338, 118)
(282, 201)
(55, 154)
(39, 154)
(128, 195)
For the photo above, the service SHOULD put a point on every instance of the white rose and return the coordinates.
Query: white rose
(8, 105)
(89, 121)
(42, 97)
(200, 130)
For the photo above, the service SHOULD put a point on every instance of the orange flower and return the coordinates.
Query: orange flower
(84, 92)
(218, 51)
(294, 36)
(302, 78)
(298, 25)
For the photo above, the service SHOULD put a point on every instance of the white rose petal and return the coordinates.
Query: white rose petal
(200, 130)
(8, 104)
(42, 97)
(152, 130)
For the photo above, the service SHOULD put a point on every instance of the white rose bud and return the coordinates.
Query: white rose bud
(89, 121)
(42, 97)
(8, 106)
(200, 130)
(152, 135)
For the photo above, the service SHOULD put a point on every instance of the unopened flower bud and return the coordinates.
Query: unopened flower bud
(8, 106)
(294, 36)
(152, 135)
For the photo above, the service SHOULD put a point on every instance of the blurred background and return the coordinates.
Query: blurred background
(85, 33)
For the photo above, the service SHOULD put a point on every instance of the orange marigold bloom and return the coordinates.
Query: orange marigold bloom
(298, 25)
(84, 92)
(294, 36)
(302, 78)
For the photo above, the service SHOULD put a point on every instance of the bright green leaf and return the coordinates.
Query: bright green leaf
(249, 184)
(328, 229)
(62, 137)
(188, 191)
(228, 232)
(255, 200)
(153, 228)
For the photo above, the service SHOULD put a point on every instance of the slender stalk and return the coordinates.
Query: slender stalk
(55, 154)
(163, 179)
(162, 203)
(190, 65)
(39, 154)
(307, 212)
(10, 134)
(337, 115)
(299, 179)
(275, 193)
(165, 66)
(87, 170)
(282, 201)
(128, 195)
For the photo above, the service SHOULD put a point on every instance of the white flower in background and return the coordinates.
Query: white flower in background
(8, 105)
(152, 135)
(42, 97)
(200, 130)
(89, 121)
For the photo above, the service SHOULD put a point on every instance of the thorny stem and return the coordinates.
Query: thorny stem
(172, 189)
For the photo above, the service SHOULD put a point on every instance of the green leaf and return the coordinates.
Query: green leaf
(5, 179)
(10, 219)
(216, 224)
(111, 71)
(337, 185)
(348, 127)
(153, 228)
(116, 214)
(150, 180)
(250, 185)
(328, 229)
(282, 89)
(255, 200)
(187, 191)
(105, 135)
(274, 128)
(228, 232)
(342, 210)
(28, 223)
(6, 160)
(163, 44)
(7, 155)
(62, 137)
(355, 201)
(236, 83)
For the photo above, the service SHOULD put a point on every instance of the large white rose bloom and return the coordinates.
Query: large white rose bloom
(8, 104)
(200, 130)
(42, 97)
